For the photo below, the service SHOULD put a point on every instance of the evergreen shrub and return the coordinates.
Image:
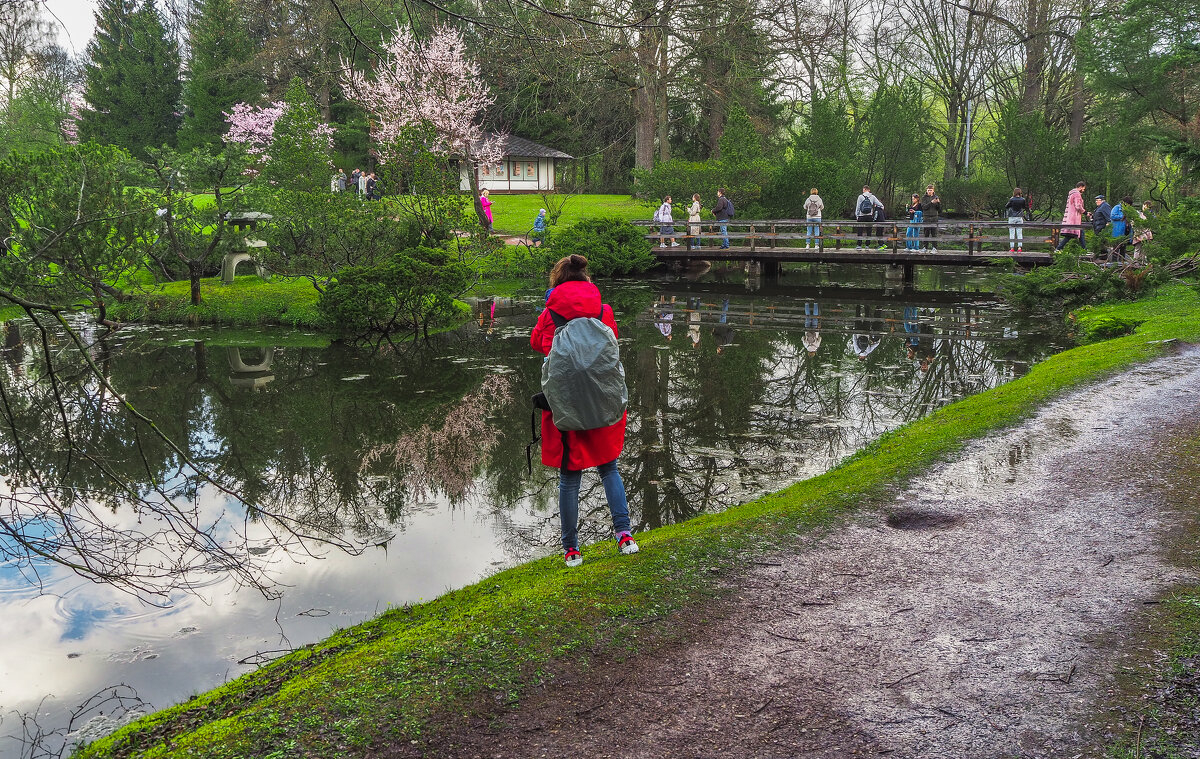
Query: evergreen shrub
(611, 246)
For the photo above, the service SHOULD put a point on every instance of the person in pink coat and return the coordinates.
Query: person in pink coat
(1073, 215)
(486, 204)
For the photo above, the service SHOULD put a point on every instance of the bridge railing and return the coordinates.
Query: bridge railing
(984, 238)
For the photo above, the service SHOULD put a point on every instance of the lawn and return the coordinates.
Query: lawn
(249, 300)
(514, 214)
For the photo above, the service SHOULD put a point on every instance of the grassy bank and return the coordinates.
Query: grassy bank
(248, 301)
(388, 680)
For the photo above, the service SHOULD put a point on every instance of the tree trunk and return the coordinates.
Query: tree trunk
(474, 182)
(644, 104)
(664, 125)
(1036, 21)
(1078, 94)
(194, 272)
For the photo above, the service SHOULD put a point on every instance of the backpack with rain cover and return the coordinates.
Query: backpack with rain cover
(583, 379)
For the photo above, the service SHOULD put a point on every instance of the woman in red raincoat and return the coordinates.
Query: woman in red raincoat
(573, 295)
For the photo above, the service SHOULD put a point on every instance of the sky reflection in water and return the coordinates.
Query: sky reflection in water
(737, 387)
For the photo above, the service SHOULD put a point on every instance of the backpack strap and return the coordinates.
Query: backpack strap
(559, 320)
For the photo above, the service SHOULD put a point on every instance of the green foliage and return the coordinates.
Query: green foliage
(317, 233)
(979, 197)
(219, 75)
(742, 171)
(823, 155)
(1176, 234)
(1031, 155)
(514, 214)
(611, 246)
(1070, 281)
(132, 77)
(894, 143)
(411, 291)
(1144, 59)
(249, 301)
(33, 119)
(427, 186)
(77, 230)
(301, 159)
(195, 236)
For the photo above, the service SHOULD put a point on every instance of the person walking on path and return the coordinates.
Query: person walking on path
(666, 224)
(1073, 217)
(812, 213)
(912, 235)
(864, 213)
(1016, 209)
(723, 212)
(693, 235)
(538, 236)
(372, 187)
(486, 204)
(931, 210)
(574, 296)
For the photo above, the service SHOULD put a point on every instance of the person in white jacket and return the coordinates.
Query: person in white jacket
(666, 224)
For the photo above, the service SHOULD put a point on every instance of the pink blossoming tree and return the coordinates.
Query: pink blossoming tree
(434, 85)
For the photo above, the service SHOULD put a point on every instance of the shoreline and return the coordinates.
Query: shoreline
(395, 677)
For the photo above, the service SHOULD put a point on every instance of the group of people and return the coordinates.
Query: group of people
(722, 211)
(869, 211)
(362, 183)
(1125, 219)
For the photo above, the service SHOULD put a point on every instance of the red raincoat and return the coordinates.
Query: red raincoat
(588, 448)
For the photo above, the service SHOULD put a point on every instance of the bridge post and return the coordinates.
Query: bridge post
(837, 243)
(895, 238)
(751, 238)
(910, 274)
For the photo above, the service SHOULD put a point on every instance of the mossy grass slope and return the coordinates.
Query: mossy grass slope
(249, 300)
(386, 680)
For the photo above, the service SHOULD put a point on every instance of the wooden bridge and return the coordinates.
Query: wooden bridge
(774, 241)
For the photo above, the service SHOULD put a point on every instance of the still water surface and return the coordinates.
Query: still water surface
(738, 387)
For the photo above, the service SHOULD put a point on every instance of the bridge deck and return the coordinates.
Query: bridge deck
(849, 255)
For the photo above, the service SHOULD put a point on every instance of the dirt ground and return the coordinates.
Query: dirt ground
(987, 612)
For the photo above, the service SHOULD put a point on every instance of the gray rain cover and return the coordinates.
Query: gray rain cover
(582, 378)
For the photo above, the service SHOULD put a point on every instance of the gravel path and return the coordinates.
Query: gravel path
(984, 613)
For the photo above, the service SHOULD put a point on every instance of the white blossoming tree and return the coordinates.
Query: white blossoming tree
(432, 86)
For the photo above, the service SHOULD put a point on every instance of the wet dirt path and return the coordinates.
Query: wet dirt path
(984, 613)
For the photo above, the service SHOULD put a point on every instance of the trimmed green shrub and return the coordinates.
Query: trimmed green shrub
(413, 290)
(611, 246)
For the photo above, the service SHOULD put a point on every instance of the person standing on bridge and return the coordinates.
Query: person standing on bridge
(864, 213)
(666, 223)
(912, 235)
(812, 211)
(723, 212)
(931, 209)
(1073, 217)
(1015, 210)
(693, 235)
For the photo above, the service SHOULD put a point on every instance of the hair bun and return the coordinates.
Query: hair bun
(578, 261)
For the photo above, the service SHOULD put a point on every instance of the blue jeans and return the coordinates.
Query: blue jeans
(724, 235)
(568, 501)
(812, 315)
(814, 228)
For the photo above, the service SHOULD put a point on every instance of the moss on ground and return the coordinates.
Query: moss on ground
(387, 680)
(249, 300)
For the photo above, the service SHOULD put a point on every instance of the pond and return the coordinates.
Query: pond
(739, 385)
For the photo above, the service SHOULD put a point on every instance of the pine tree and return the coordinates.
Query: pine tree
(132, 79)
(218, 73)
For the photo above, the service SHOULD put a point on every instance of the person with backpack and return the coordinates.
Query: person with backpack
(723, 212)
(931, 209)
(864, 213)
(1122, 223)
(812, 212)
(583, 384)
(666, 222)
(1016, 209)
